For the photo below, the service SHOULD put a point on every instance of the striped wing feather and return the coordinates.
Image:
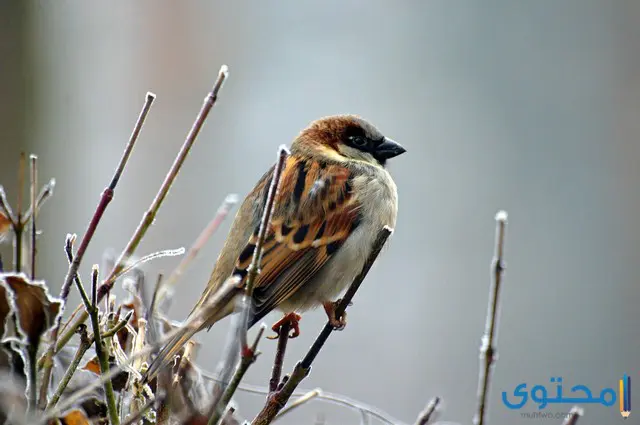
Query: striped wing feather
(308, 226)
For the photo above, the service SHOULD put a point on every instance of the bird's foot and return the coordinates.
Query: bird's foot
(330, 308)
(292, 322)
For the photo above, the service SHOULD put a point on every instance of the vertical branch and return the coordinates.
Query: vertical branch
(266, 218)
(101, 353)
(105, 199)
(239, 328)
(34, 209)
(248, 358)
(488, 349)
(276, 372)
(278, 400)
(85, 343)
(150, 214)
(19, 224)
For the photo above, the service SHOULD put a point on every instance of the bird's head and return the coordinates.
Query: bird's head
(345, 138)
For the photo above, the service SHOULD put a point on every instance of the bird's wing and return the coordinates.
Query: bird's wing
(310, 221)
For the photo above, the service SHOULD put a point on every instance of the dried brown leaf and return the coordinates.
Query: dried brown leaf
(73, 417)
(5, 226)
(35, 309)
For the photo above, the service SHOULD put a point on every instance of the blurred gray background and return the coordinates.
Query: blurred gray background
(530, 107)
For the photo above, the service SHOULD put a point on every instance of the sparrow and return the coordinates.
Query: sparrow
(335, 195)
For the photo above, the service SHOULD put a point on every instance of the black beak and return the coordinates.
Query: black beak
(388, 149)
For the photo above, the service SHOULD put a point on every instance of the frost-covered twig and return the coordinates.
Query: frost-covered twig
(105, 199)
(488, 349)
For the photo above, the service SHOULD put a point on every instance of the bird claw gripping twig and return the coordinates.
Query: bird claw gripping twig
(292, 320)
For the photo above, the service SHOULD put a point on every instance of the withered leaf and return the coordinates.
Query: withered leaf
(11, 359)
(5, 310)
(5, 226)
(35, 309)
(119, 381)
(73, 417)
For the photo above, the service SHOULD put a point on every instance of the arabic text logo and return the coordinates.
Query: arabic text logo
(579, 394)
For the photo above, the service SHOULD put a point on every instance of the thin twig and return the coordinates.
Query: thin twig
(301, 370)
(487, 348)
(85, 343)
(237, 335)
(299, 402)
(146, 258)
(425, 416)
(254, 267)
(118, 326)
(45, 193)
(140, 412)
(276, 371)
(47, 359)
(220, 298)
(248, 357)
(101, 353)
(34, 185)
(575, 414)
(105, 199)
(150, 214)
(194, 250)
(337, 399)
(19, 227)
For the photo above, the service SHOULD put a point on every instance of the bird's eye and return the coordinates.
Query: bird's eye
(358, 141)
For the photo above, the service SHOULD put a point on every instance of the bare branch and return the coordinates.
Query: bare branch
(488, 349)
(426, 415)
(105, 199)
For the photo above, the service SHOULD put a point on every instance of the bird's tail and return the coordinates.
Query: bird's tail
(167, 352)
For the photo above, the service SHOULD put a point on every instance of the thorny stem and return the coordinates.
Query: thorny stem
(101, 353)
(85, 343)
(301, 370)
(249, 356)
(105, 199)
(487, 349)
(425, 416)
(34, 183)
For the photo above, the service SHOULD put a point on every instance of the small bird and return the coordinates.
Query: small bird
(335, 195)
